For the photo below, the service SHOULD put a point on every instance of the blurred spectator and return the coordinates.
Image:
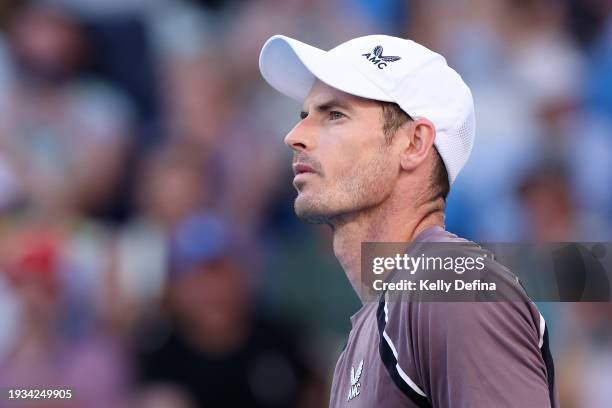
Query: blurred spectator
(550, 208)
(44, 355)
(217, 348)
(171, 185)
(585, 355)
(198, 100)
(63, 134)
(582, 341)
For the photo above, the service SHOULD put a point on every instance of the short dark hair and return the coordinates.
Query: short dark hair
(393, 118)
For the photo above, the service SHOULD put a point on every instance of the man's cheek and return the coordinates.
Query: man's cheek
(350, 166)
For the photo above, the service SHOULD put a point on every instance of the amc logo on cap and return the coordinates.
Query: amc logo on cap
(376, 57)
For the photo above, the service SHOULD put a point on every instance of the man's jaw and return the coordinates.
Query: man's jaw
(307, 209)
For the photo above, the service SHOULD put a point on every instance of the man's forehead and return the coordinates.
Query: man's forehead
(321, 93)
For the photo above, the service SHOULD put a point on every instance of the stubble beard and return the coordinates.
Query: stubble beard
(356, 191)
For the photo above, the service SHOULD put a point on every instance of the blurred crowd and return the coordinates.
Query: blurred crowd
(149, 254)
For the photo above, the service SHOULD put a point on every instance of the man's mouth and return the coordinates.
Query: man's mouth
(300, 168)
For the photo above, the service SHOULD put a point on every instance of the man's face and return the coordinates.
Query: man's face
(342, 162)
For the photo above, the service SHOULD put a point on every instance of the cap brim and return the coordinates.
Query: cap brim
(291, 67)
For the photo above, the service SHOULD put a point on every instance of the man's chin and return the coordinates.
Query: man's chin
(310, 212)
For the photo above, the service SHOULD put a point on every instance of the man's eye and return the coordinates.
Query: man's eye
(303, 115)
(334, 115)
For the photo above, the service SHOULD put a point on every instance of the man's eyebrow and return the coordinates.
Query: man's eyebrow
(331, 104)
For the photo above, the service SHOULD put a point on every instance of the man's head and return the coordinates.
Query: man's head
(352, 154)
(212, 276)
(382, 118)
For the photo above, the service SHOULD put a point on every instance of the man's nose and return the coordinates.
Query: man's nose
(301, 137)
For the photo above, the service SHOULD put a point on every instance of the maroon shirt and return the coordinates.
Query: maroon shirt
(443, 354)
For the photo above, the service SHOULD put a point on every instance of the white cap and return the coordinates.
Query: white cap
(383, 68)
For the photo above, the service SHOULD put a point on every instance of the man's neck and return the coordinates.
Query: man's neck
(385, 223)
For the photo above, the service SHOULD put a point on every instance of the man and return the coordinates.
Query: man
(386, 127)
(215, 349)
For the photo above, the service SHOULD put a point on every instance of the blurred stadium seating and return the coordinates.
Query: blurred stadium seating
(122, 122)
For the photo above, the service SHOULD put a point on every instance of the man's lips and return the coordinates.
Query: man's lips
(300, 168)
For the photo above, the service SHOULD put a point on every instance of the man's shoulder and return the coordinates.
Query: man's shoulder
(437, 242)
(478, 284)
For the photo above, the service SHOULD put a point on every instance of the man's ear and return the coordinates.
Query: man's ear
(421, 135)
